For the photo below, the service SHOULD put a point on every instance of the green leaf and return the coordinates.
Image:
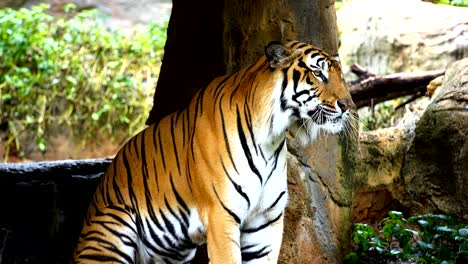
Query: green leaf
(41, 145)
(29, 119)
(113, 64)
(95, 116)
(351, 258)
(446, 230)
(71, 79)
(6, 97)
(423, 223)
(463, 232)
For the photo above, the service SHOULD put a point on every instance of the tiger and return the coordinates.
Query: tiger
(215, 172)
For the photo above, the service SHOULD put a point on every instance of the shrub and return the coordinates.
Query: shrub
(72, 72)
(429, 238)
(449, 2)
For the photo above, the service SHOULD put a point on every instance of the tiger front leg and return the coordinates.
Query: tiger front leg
(262, 243)
(223, 238)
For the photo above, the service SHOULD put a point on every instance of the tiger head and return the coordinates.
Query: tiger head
(314, 96)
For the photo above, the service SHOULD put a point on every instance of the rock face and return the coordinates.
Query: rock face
(402, 35)
(435, 171)
(421, 165)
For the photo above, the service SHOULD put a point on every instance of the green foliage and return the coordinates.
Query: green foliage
(450, 2)
(340, 3)
(380, 116)
(73, 72)
(429, 238)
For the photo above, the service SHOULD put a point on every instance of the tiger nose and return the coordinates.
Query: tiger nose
(343, 104)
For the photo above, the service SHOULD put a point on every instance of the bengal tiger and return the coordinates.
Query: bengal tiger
(215, 172)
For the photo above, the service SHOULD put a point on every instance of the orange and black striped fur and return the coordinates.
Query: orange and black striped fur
(215, 172)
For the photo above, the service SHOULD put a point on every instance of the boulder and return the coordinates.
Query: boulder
(421, 164)
(435, 170)
(402, 35)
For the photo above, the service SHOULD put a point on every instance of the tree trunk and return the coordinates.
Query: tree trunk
(232, 34)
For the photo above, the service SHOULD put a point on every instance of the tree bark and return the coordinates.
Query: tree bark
(193, 55)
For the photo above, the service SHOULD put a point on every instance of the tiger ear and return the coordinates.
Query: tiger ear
(280, 56)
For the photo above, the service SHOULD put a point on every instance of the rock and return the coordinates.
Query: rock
(435, 171)
(421, 164)
(402, 35)
(11, 3)
(318, 216)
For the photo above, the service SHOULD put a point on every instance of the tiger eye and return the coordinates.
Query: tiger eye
(317, 73)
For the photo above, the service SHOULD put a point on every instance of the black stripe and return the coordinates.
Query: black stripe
(307, 51)
(248, 120)
(102, 258)
(144, 165)
(135, 145)
(319, 60)
(171, 211)
(178, 197)
(183, 129)
(161, 148)
(231, 213)
(297, 95)
(236, 186)
(92, 232)
(116, 190)
(155, 173)
(248, 256)
(296, 77)
(248, 247)
(245, 147)
(302, 45)
(256, 229)
(113, 249)
(148, 197)
(168, 224)
(174, 145)
(226, 138)
(284, 84)
(153, 217)
(165, 252)
(303, 65)
(295, 43)
(131, 193)
(247, 70)
(185, 216)
(260, 147)
(183, 228)
(252, 77)
(315, 54)
(219, 89)
(277, 200)
(147, 243)
(116, 217)
(284, 105)
(276, 155)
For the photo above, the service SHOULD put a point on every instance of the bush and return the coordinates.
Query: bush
(73, 72)
(429, 238)
(450, 2)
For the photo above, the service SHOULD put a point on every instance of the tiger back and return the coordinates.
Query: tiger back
(215, 172)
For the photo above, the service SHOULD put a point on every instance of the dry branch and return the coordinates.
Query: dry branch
(370, 89)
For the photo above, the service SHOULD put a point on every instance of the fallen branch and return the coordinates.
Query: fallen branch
(371, 89)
